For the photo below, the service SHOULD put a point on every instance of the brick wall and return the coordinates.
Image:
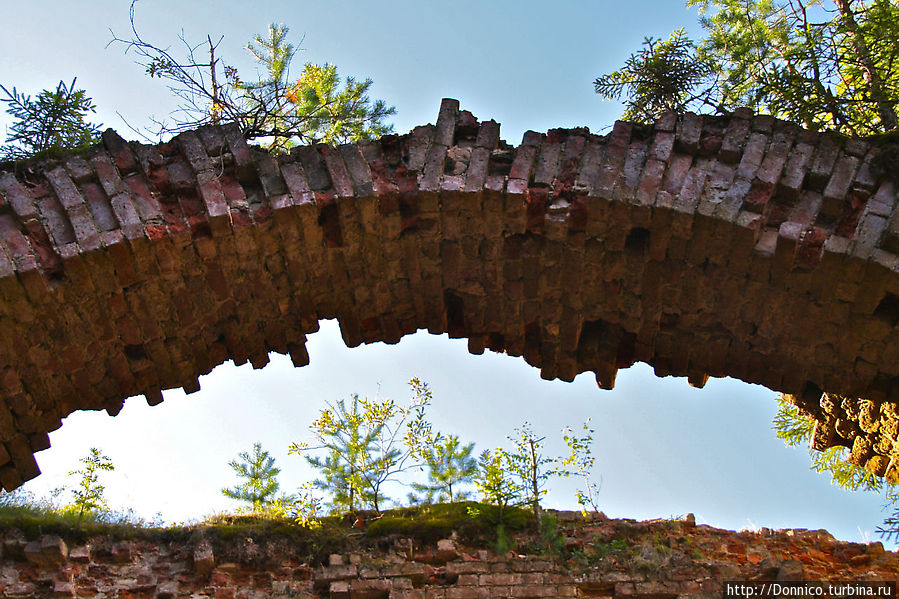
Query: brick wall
(603, 558)
(705, 246)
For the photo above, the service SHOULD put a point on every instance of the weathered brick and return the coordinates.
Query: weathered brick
(689, 130)
(488, 135)
(446, 122)
(838, 186)
(358, 170)
(243, 158)
(193, 150)
(390, 235)
(17, 197)
(466, 593)
(120, 152)
(821, 168)
(734, 139)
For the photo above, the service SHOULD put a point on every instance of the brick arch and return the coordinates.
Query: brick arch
(732, 245)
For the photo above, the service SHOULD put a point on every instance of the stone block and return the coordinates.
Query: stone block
(121, 552)
(167, 590)
(204, 560)
(369, 589)
(447, 550)
(54, 549)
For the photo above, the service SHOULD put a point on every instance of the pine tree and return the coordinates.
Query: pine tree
(89, 495)
(497, 484)
(48, 124)
(349, 442)
(313, 108)
(260, 474)
(827, 64)
(367, 444)
(450, 466)
(663, 76)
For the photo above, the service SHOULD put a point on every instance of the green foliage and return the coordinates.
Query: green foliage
(796, 428)
(503, 543)
(551, 537)
(823, 63)
(349, 443)
(618, 547)
(527, 463)
(48, 124)
(494, 479)
(35, 516)
(88, 495)
(367, 444)
(334, 114)
(450, 466)
(519, 476)
(580, 463)
(662, 76)
(303, 507)
(316, 107)
(306, 507)
(260, 485)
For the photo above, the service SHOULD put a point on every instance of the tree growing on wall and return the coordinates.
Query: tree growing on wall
(580, 463)
(318, 106)
(664, 75)
(258, 473)
(528, 464)
(496, 482)
(830, 64)
(366, 443)
(89, 495)
(49, 123)
(450, 466)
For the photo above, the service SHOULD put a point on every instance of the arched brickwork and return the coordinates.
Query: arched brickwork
(740, 246)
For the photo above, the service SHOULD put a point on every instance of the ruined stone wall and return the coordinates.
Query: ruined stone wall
(602, 558)
(706, 246)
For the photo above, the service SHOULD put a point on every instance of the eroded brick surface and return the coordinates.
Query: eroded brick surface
(600, 558)
(705, 246)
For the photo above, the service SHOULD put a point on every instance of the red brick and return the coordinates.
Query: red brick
(446, 122)
(678, 167)
(794, 172)
(85, 229)
(652, 179)
(213, 197)
(358, 169)
(822, 163)
(837, 188)
(752, 156)
(488, 135)
(64, 188)
(523, 164)
(734, 140)
(689, 130)
(547, 163)
(121, 153)
(16, 244)
(243, 159)
(16, 196)
(108, 175)
(193, 150)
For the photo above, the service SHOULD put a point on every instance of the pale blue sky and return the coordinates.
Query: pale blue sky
(662, 447)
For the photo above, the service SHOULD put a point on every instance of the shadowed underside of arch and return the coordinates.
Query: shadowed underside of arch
(705, 246)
